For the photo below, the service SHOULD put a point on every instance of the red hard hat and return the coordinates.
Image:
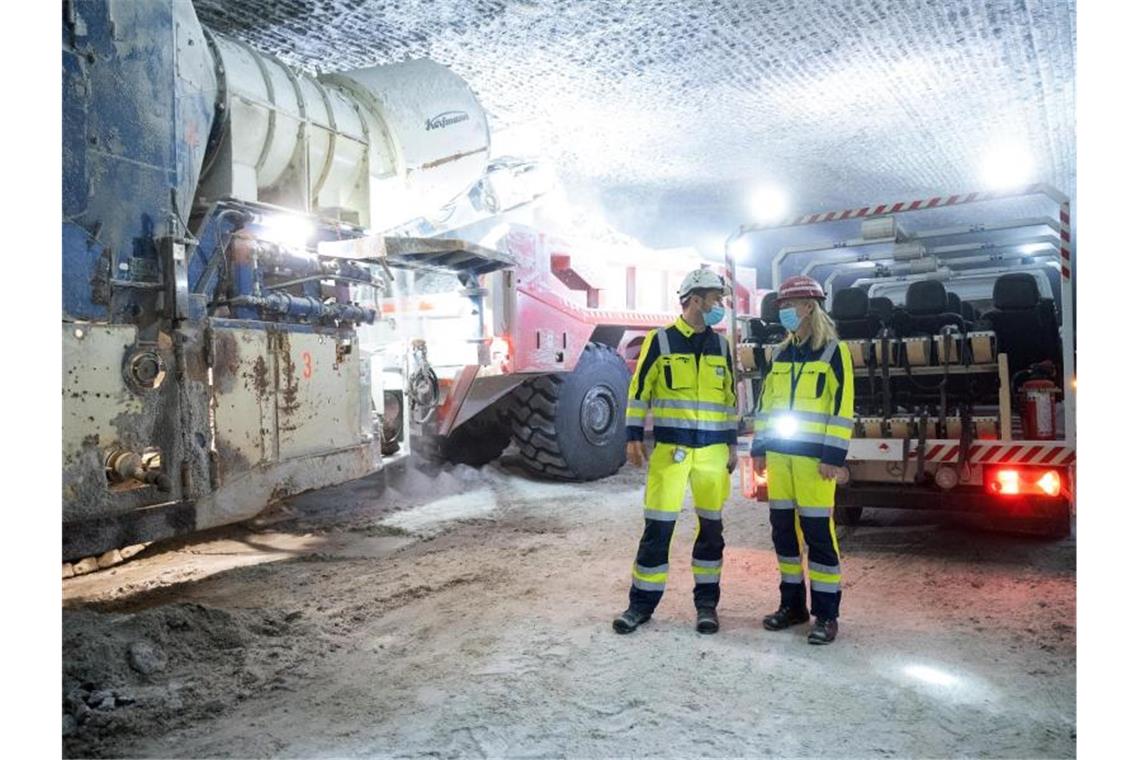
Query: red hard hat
(800, 286)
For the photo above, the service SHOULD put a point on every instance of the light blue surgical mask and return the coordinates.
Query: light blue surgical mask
(789, 319)
(714, 315)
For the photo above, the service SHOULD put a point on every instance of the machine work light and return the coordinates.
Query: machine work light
(289, 230)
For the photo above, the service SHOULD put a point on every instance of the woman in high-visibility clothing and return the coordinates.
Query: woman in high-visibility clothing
(803, 429)
(684, 377)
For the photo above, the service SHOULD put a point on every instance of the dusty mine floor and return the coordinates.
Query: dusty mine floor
(468, 615)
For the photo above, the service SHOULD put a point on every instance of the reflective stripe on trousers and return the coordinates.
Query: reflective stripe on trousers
(704, 471)
(800, 509)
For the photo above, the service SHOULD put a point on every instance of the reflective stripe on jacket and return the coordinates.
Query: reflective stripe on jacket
(819, 420)
(684, 378)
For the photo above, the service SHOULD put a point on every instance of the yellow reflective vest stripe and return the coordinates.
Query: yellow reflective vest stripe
(691, 395)
(807, 407)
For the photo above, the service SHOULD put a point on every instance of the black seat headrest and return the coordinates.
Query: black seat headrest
(1015, 292)
(882, 306)
(926, 297)
(969, 312)
(849, 303)
(769, 312)
(954, 302)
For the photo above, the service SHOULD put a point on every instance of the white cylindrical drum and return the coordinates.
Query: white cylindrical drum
(337, 144)
(389, 144)
(264, 111)
(433, 141)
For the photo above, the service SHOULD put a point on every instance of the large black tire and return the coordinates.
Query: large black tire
(572, 426)
(478, 441)
(848, 515)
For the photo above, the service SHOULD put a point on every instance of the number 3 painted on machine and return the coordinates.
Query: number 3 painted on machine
(307, 365)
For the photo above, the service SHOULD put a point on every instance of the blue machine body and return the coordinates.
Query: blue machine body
(135, 135)
(139, 118)
(163, 291)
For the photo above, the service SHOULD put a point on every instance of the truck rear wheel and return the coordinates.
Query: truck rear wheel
(572, 426)
(478, 441)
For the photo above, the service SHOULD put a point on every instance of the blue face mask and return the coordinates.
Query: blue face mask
(789, 319)
(714, 315)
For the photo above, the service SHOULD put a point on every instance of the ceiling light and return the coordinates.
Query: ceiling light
(1007, 165)
(769, 204)
(739, 248)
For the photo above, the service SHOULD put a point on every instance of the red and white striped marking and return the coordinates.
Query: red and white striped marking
(902, 206)
(1066, 241)
(886, 208)
(895, 208)
(1029, 452)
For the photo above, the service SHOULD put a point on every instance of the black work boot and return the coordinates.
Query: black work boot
(628, 621)
(785, 617)
(706, 620)
(823, 631)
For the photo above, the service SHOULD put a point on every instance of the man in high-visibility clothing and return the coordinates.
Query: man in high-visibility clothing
(684, 378)
(803, 429)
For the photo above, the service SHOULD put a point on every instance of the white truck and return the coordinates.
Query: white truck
(959, 313)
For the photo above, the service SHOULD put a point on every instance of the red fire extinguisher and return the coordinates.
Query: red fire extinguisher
(1038, 414)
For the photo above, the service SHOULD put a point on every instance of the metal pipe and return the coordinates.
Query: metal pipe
(136, 285)
(303, 307)
(314, 277)
(242, 275)
(788, 251)
(940, 252)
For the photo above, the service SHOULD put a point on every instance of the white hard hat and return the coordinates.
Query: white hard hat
(700, 279)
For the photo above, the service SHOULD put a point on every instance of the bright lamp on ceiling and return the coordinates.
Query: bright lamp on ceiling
(769, 204)
(1007, 165)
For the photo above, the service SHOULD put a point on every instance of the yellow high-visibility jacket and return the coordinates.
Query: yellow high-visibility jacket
(808, 404)
(685, 379)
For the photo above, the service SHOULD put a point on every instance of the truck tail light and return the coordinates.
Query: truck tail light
(1049, 483)
(1007, 481)
(1031, 481)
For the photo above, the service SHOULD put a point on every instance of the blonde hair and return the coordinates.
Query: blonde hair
(822, 330)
